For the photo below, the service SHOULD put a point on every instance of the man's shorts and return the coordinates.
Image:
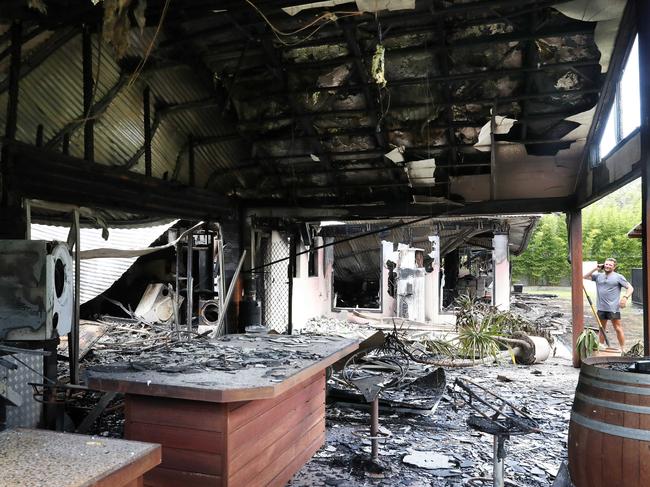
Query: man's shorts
(609, 315)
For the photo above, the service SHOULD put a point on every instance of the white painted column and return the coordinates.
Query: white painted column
(388, 303)
(500, 272)
(432, 283)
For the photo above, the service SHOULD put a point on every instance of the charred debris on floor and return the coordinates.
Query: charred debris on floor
(429, 362)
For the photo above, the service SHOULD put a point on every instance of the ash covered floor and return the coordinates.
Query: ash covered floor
(444, 440)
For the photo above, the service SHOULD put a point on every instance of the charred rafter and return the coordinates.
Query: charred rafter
(491, 40)
(468, 101)
(441, 80)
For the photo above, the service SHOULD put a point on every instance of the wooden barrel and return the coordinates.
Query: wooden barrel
(609, 432)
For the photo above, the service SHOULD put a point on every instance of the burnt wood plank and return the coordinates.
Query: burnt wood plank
(199, 415)
(243, 412)
(260, 454)
(169, 436)
(284, 415)
(164, 477)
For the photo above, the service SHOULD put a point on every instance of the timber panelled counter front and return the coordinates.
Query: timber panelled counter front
(242, 411)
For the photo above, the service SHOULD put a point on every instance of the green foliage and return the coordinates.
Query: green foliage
(587, 343)
(479, 328)
(440, 348)
(604, 234)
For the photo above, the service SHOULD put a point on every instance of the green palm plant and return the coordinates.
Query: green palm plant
(478, 338)
(587, 343)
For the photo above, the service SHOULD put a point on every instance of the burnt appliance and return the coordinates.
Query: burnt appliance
(36, 290)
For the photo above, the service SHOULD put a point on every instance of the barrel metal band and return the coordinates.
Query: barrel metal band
(630, 408)
(615, 375)
(642, 391)
(611, 429)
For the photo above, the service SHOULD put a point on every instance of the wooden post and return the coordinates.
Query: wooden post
(88, 85)
(643, 21)
(577, 306)
(12, 217)
(65, 144)
(147, 131)
(39, 135)
(493, 153)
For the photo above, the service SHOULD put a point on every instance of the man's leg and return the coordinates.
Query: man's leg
(603, 324)
(618, 328)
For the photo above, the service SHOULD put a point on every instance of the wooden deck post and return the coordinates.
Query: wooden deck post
(12, 217)
(643, 19)
(577, 306)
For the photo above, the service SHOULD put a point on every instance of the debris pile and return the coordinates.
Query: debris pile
(440, 449)
(201, 355)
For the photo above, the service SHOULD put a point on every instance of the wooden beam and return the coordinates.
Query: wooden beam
(11, 123)
(577, 306)
(448, 103)
(41, 174)
(316, 209)
(643, 25)
(13, 224)
(439, 79)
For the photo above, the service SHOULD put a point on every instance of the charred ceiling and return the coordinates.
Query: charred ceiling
(436, 102)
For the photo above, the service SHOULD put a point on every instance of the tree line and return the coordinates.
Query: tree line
(605, 225)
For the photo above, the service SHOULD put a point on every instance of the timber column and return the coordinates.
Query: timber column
(577, 304)
(500, 270)
(643, 24)
(13, 223)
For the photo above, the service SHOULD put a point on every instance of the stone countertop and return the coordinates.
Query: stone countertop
(35, 458)
(233, 368)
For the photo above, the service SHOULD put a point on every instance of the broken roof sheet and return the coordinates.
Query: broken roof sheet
(97, 275)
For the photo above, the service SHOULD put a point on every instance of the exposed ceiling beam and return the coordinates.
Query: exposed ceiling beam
(395, 19)
(311, 210)
(444, 104)
(438, 79)
(37, 173)
(473, 42)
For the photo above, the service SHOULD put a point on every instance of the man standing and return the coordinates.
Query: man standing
(610, 301)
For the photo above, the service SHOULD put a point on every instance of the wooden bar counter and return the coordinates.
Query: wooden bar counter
(244, 411)
(40, 458)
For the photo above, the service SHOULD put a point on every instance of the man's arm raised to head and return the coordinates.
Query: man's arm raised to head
(590, 273)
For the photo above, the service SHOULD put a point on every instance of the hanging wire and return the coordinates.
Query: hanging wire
(143, 61)
(327, 17)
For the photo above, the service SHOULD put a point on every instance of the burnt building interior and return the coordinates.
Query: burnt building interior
(186, 185)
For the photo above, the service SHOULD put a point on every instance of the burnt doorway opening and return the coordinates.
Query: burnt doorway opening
(357, 279)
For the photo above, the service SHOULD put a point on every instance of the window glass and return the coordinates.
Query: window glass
(608, 140)
(629, 93)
